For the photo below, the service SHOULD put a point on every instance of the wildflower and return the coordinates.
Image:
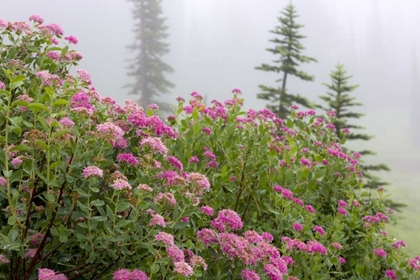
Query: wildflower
(342, 211)
(194, 159)
(2, 85)
(183, 268)
(391, 274)
(331, 114)
(92, 171)
(176, 254)
(249, 275)
(330, 126)
(110, 130)
(314, 246)
(121, 184)
(125, 274)
(310, 208)
(199, 180)
(294, 107)
(207, 210)
(414, 263)
(175, 162)
(180, 99)
(268, 237)
(346, 130)
(145, 187)
(209, 155)
(342, 204)
(337, 245)
(157, 220)
(380, 252)
(297, 227)
(320, 230)
(36, 18)
(356, 203)
(153, 106)
(30, 253)
(207, 236)
(342, 260)
(253, 236)
(66, 122)
(399, 244)
(236, 90)
(54, 55)
(128, 158)
(166, 197)
(198, 260)
(207, 130)
(16, 161)
(71, 39)
(305, 161)
(4, 259)
(155, 144)
(272, 272)
(3, 182)
(227, 217)
(84, 76)
(212, 164)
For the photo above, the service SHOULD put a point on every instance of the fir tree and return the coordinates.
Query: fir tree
(341, 103)
(288, 49)
(147, 67)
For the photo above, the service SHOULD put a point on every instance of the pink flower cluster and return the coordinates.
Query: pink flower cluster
(48, 274)
(310, 247)
(227, 218)
(155, 144)
(92, 171)
(128, 158)
(125, 274)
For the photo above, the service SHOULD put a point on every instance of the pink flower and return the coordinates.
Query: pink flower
(166, 197)
(3, 24)
(272, 272)
(48, 274)
(337, 245)
(109, 130)
(121, 184)
(310, 208)
(153, 106)
(128, 158)
(391, 274)
(2, 85)
(268, 237)
(125, 274)
(207, 210)
(342, 204)
(36, 18)
(380, 252)
(155, 144)
(342, 211)
(249, 275)
(183, 268)
(320, 230)
(16, 161)
(399, 244)
(356, 203)
(157, 220)
(305, 161)
(71, 39)
(54, 55)
(92, 171)
(164, 237)
(207, 130)
(315, 246)
(3, 182)
(145, 187)
(66, 122)
(197, 260)
(200, 181)
(342, 260)
(253, 236)
(176, 254)
(175, 162)
(84, 76)
(229, 218)
(194, 159)
(4, 259)
(297, 227)
(30, 253)
(207, 236)
(294, 107)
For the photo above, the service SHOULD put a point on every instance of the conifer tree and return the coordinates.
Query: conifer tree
(288, 50)
(341, 103)
(147, 67)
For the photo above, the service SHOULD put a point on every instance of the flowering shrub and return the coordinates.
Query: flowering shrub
(94, 190)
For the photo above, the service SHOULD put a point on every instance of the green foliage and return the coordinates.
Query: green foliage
(94, 190)
(147, 67)
(288, 48)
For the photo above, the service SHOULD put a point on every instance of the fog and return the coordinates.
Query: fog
(215, 45)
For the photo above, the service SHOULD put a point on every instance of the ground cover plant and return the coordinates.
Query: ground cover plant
(91, 189)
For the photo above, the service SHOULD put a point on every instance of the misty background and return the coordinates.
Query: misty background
(215, 45)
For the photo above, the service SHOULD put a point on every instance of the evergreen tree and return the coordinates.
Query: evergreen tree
(340, 102)
(147, 67)
(288, 49)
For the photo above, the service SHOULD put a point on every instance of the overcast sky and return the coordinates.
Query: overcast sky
(215, 45)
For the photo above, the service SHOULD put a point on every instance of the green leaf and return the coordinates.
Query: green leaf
(123, 223)
(60, 133)
(60, 102)
(63, 239)
(11, 220)
(97, 203)
(42, 144)
(49, 197)
(37, 107)
(122, 206)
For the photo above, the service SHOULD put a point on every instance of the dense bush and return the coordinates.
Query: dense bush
(94, 190)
